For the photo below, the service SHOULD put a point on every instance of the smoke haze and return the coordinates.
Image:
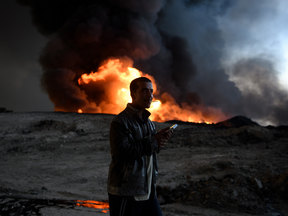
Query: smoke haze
(218, 54)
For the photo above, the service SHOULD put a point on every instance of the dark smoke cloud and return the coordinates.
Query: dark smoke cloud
(179, 42)
(211, 44)
(217, 7)
(173, 68)
(261, 90)
(63, 92)
(89, 32)
(197, 24)
(83, 34)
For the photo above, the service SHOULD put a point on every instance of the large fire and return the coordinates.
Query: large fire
(116, 75)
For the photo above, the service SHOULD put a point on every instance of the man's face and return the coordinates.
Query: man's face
(142, 98)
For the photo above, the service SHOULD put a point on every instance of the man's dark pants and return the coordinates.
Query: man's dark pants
(127, 206)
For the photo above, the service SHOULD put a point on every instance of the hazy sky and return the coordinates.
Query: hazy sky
(20, 72)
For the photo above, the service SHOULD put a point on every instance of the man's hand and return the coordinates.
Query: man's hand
(163, 136)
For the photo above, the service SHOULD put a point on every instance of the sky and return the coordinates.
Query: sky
(239, 49)
(259, 31)
(20, 72)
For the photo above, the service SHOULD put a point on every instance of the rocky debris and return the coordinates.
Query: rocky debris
(259, 183)
(4, 110)
(49, 125)
(45, 131)
(228, 193)
(279, 132)
(17, 205)
(10, 205)
(277, 185)
(207, 135)
(248, 134)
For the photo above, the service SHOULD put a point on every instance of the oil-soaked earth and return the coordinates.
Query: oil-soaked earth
(51, 162)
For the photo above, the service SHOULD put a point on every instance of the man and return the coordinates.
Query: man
(134, 144)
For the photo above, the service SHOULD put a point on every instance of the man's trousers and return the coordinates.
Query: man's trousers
(128, 206)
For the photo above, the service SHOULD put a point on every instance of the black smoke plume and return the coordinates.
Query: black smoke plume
(178, 42)
(260, 90)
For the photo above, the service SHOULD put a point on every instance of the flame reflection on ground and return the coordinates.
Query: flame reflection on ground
(94, 204)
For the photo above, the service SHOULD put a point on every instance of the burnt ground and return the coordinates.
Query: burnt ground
(48, 161)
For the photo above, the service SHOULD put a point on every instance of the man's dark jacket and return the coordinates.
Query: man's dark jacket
(131, 140)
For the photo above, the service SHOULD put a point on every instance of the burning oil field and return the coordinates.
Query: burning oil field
(57, 164)
(96, 47)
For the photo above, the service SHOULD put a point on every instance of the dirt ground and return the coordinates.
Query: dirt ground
(50, 160)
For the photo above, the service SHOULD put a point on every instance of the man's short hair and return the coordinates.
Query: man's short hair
(134, 83)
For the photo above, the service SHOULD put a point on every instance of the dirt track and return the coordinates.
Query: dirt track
(205, 170)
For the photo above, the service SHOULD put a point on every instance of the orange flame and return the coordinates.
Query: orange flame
(94, 204)
(116, 75)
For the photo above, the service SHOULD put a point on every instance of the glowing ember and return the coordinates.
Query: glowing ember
(114, 77)
(94, 204)
(80, 111)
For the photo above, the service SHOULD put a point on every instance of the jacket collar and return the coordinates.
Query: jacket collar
(135, 112)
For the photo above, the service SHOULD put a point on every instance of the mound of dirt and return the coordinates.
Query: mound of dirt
(227, 193)
(237, 121)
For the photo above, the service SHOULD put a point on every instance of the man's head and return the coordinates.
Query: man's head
(141, 91)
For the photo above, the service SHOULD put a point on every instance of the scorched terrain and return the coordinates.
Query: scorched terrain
(51, 161)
